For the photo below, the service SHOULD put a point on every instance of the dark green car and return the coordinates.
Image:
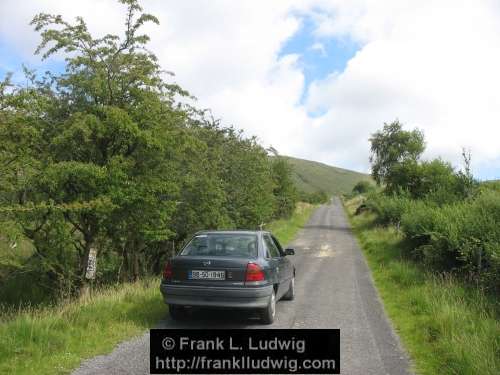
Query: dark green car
(229, 269)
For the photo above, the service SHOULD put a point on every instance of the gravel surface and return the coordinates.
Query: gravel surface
(334, 289)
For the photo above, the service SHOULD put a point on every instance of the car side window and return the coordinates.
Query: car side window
(272, 250)
(278, 245)
(268, 254)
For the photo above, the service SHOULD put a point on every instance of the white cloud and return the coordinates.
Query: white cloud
(226, 53)
(431, 64)
(15, 16)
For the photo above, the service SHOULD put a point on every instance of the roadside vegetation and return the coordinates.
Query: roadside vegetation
(446, 325)
(55, 339)
(431, 235)
(286, 229)
(106, 157)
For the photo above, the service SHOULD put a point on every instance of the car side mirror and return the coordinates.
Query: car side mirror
(289, 251)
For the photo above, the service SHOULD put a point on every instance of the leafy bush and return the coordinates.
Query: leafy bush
(451, 221)
(437, 181)
(462, 237)
(493, 185)
(363, 187)
(317, 197)
(107, 156)
(389, 209)
(284, 191)
(396, 164)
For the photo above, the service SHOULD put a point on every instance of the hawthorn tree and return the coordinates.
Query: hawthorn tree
(104, 157)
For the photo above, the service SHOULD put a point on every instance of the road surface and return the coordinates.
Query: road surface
(334, 289)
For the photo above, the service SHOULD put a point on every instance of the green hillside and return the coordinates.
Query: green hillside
(312, 176)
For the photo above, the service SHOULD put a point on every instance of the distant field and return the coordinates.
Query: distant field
(312, 176)
(494, 184)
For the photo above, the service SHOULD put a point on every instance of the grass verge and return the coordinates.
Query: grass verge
(54, 340)
(446, 326)
(286, 229)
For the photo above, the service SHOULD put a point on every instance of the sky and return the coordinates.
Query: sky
(315, 78)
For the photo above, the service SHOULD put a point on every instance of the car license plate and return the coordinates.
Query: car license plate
(207, 275)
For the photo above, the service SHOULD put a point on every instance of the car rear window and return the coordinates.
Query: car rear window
(224, 245)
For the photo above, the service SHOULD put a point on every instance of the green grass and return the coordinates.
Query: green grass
(55, 339)
(446, 326)
(286, 229)
(311, 176)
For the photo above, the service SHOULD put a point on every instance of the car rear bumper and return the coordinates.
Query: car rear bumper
(187, 295)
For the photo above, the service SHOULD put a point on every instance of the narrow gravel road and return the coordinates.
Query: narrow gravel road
(334, 289)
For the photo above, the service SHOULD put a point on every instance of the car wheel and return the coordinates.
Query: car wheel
(176, 312)
(290, 295)
(270, 311)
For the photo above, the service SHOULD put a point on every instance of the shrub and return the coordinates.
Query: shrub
(463, 237)
(316, 197)
(389, 209)
(490, 185)
(434, 180)
(363, 187)
(116, 162)
(437, 181)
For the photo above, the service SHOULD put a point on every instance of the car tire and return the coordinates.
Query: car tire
(176, 312)
(269, 312)
(290, 295)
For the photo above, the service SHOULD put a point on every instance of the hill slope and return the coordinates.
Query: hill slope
(312, 176)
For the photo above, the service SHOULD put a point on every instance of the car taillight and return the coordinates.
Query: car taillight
(167, 272)
(254, 272)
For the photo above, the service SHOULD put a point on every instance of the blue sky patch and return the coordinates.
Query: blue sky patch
(11, 61)
(319, 57)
